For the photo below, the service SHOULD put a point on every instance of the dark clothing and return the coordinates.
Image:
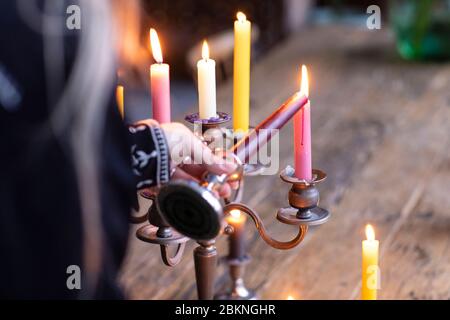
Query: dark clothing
(40, 217)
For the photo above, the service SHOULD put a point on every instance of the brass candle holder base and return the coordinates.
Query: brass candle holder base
(238, 290)
(304, 199)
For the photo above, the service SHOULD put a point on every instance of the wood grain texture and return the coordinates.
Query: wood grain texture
(380, 130)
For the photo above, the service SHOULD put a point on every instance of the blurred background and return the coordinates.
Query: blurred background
(380, 126)
(420, 31)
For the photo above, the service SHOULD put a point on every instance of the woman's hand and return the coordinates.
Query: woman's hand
(191, 158)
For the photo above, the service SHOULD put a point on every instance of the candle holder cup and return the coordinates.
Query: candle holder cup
(207, 124)
(303, 199)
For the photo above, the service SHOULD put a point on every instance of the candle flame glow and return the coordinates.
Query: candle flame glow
(241, 17)
(304, 85)
(235, 213)
(205, 50)
(290, 298)
(370, 233)
(156, 46)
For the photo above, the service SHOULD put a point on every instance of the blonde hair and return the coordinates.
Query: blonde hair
(109, 34)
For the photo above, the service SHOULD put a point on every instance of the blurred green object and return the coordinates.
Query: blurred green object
(422, 28)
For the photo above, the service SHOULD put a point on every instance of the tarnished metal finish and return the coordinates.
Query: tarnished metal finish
(172, 261)
(238, 290)
(148, 194)
(165, 237)
(228, 229)
(222, 117)
(282, 245)
(315, 216)
(192, 208)
(205, 261)
(149, 233)
(304, 199)
(207, 124)
(139, 219)
(287, 175)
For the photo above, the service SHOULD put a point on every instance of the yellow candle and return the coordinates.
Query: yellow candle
(206, 71)
(119, 98)
(241, 81)
(370, 269)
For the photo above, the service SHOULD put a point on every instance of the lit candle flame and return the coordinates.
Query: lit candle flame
(241, 17)
(370, 233)
(205, 50)
(235, 213)
(156, 46)
(304, 85)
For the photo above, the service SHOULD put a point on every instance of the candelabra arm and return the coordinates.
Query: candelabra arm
(139, 219)
(172, 261)
(302, 229)
(149, 195)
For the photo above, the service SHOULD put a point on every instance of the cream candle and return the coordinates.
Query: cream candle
(241, 73)
(159, 82)
(370, 269)
(206, 71)
(302, 134)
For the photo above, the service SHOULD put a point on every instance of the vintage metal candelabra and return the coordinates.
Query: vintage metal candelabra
(184, 210)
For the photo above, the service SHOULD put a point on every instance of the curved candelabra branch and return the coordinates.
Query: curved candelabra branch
(172, 261)
(282, 245)
(139, 219)
(144, 217)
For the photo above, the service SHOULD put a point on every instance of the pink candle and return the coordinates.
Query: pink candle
(159, 82)
(302, 135)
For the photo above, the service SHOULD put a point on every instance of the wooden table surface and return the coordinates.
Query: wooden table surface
(381, 130)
